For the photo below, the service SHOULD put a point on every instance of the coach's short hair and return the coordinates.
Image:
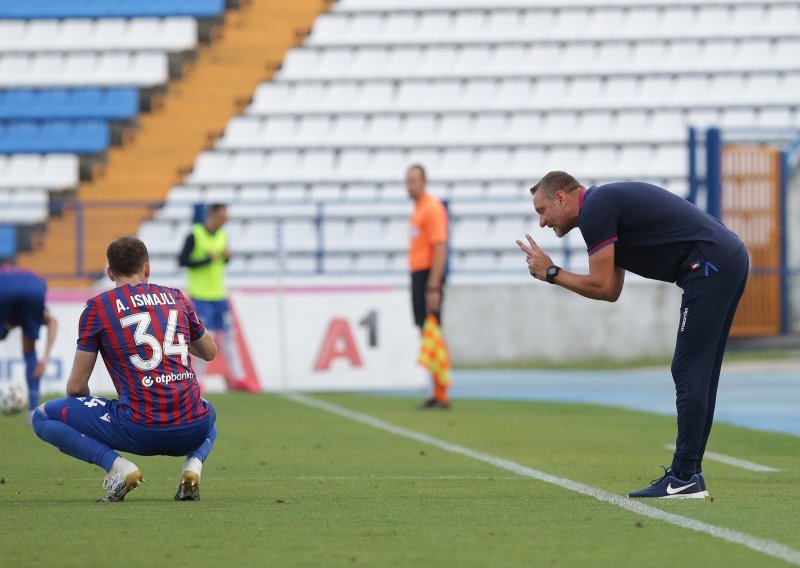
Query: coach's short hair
(126, 256)
(214, 207)
(555, 180)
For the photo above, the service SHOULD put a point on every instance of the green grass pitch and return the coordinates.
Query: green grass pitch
(291, 485)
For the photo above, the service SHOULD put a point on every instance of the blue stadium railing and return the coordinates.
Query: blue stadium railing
(319, 252)
(58, 136)
(32, 9)
(87, 103)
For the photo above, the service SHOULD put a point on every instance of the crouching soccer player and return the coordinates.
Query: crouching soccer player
(145, 333)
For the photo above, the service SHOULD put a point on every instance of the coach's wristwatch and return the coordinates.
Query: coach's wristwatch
(551, 274)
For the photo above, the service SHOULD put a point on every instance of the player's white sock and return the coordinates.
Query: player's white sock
(194, 465)
(122, 467)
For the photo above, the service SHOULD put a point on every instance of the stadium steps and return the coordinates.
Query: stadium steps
(192, 114)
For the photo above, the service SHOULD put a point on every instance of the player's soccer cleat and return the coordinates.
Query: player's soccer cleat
(670, 487)
(189, 487)
(121, 479)
(432, 404)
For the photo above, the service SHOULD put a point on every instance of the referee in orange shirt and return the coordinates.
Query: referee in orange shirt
(427, 258)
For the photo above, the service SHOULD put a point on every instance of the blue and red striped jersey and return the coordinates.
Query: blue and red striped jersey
(143, 333)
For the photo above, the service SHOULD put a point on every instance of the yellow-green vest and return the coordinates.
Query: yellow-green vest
(207, 282)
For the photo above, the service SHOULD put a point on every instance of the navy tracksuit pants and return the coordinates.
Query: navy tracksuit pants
(710, 299)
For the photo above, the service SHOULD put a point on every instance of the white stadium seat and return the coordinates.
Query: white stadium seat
(50, 171)
(23, 206)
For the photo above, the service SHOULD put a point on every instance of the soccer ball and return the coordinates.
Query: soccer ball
(13, 398)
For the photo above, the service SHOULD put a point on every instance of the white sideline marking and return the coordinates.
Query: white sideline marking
(730, 460)
(768, 547)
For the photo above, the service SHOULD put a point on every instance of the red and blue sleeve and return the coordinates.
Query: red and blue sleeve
(196, 328)
(89, 328)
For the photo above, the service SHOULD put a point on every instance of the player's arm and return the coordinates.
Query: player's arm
(186, 252)
(52, 329)
(436, 225)
(82, 366)
(205, 347)
(433, 295)
(604, 281)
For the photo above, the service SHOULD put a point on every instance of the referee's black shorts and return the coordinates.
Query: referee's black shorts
(419, 287)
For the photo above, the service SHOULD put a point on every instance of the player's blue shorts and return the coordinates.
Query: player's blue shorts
(215, 315)
(103, 420)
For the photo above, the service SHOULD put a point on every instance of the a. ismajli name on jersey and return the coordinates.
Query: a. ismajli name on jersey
(142, 300)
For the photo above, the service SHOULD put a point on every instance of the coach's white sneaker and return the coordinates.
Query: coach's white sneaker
(121, 479)
(189, 485)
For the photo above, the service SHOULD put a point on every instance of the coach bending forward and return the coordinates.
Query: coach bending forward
(651, 232)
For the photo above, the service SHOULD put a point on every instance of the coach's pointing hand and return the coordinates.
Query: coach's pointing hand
(538, 261)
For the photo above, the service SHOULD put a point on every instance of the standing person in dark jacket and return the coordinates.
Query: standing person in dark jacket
(656, 234)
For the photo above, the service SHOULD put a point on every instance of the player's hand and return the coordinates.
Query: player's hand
(38, 371)
(212, 256)
(433, 300)
(538, 261)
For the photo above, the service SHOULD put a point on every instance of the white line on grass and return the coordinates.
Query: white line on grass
(306, 478)
(730, 460)
(768, 547)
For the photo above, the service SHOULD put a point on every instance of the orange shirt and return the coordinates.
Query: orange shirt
(428, 227)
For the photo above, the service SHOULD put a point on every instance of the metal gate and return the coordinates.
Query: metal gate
(752, 207)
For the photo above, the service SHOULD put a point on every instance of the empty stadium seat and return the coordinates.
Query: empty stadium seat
(23, 207)
(51, 171)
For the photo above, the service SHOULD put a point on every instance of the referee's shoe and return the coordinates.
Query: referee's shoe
(669, 486)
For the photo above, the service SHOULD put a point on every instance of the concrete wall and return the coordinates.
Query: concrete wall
(535, 320)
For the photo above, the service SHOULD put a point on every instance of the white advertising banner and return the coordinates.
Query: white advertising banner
(320, 339)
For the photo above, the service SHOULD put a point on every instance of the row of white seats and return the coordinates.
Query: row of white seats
(465, 163)
(397, 209)
(425, 129)
(517, 59)
(21, 194)
(23, 207)
(536, 24)
(141, 69)
(49, 171)
(425, 5)
(261, 264)
(185, 196)
(473, 233)
(378, 129)
(136, 34)
(517, 93)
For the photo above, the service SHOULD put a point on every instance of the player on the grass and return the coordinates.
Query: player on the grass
(656, 234)
(145, 333)
(22, 295)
